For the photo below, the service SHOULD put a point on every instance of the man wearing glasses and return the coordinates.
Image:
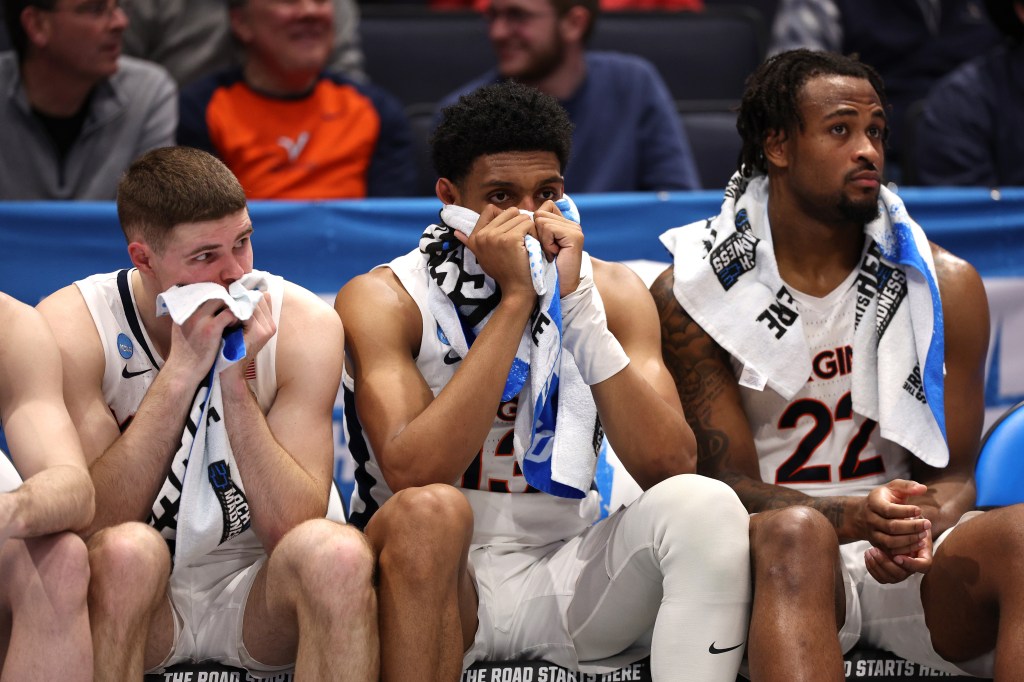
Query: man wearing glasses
(627, 135)
(73, 111)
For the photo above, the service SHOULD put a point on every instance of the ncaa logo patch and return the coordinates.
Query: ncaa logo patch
(125, 346)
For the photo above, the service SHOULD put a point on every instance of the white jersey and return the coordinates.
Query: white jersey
(815, 442)
(505, 507)
(131, 361)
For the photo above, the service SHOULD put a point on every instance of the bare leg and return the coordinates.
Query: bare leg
(128, 607)
(427, 598)
(799, 599)
(973, 595)
(44, 588)
(313, 603)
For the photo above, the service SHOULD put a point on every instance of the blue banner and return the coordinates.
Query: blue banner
(321, 245)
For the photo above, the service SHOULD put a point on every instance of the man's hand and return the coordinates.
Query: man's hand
(561, 238)
(890, 523)
(258, 330)
(886, 568)
(195, 344)
(497, 243)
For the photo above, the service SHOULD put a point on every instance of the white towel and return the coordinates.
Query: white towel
(727, 280)
(461, 297)
(9, 478)
(207, 500)
(241, 297)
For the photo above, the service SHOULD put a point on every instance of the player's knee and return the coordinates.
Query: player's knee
(1011, 536)
(793, 530)
(128, 561)
(65, 572)
(789, 544)
(689, 511)
(687, 500)
(427, 533)
(421, 517)
(320, 553)
(433, 513)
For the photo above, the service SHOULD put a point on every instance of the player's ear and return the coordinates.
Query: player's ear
(142, 257)
(447, 192)
(776, 151)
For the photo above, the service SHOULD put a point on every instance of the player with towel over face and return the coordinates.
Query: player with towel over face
(482, 369)
(265, 582)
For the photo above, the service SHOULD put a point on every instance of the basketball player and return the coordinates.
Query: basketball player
(854, 408)
(290, 587)
(495, 569)
(44, 569)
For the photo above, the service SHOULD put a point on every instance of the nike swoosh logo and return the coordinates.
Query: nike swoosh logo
(128, 375)
(715, 650)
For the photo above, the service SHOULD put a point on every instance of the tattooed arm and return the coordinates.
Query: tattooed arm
(725, 444)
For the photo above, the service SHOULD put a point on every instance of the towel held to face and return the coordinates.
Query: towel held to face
(202, 502)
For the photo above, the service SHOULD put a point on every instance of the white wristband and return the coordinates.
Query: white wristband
(585, 334)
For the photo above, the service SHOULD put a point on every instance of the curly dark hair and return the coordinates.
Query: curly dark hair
(503, 117)
(771, 101)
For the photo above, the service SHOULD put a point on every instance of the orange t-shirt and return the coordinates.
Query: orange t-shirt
(322, 144)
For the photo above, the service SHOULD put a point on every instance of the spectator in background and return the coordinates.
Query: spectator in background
(911, 43)
(627, 135)
(285, 127)
(192, 38)
(73, 111)
(606, 5)
(970, 130)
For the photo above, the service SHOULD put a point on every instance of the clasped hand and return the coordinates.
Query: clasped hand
(497, 243)
(900, 535)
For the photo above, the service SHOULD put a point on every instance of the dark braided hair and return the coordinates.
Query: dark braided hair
(503, 117)
(771, 102)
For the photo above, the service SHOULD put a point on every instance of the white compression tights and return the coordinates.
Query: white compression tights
(677, 558)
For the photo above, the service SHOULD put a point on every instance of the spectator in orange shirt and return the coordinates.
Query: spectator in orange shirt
(287, 128)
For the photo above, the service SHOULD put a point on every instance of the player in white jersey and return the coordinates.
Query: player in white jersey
(495, 569)
(814, 129)
(821, 413)
(286, 586)
(44, 569)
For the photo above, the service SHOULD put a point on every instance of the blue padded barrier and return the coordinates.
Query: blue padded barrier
(321, 245)
(999, 474)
